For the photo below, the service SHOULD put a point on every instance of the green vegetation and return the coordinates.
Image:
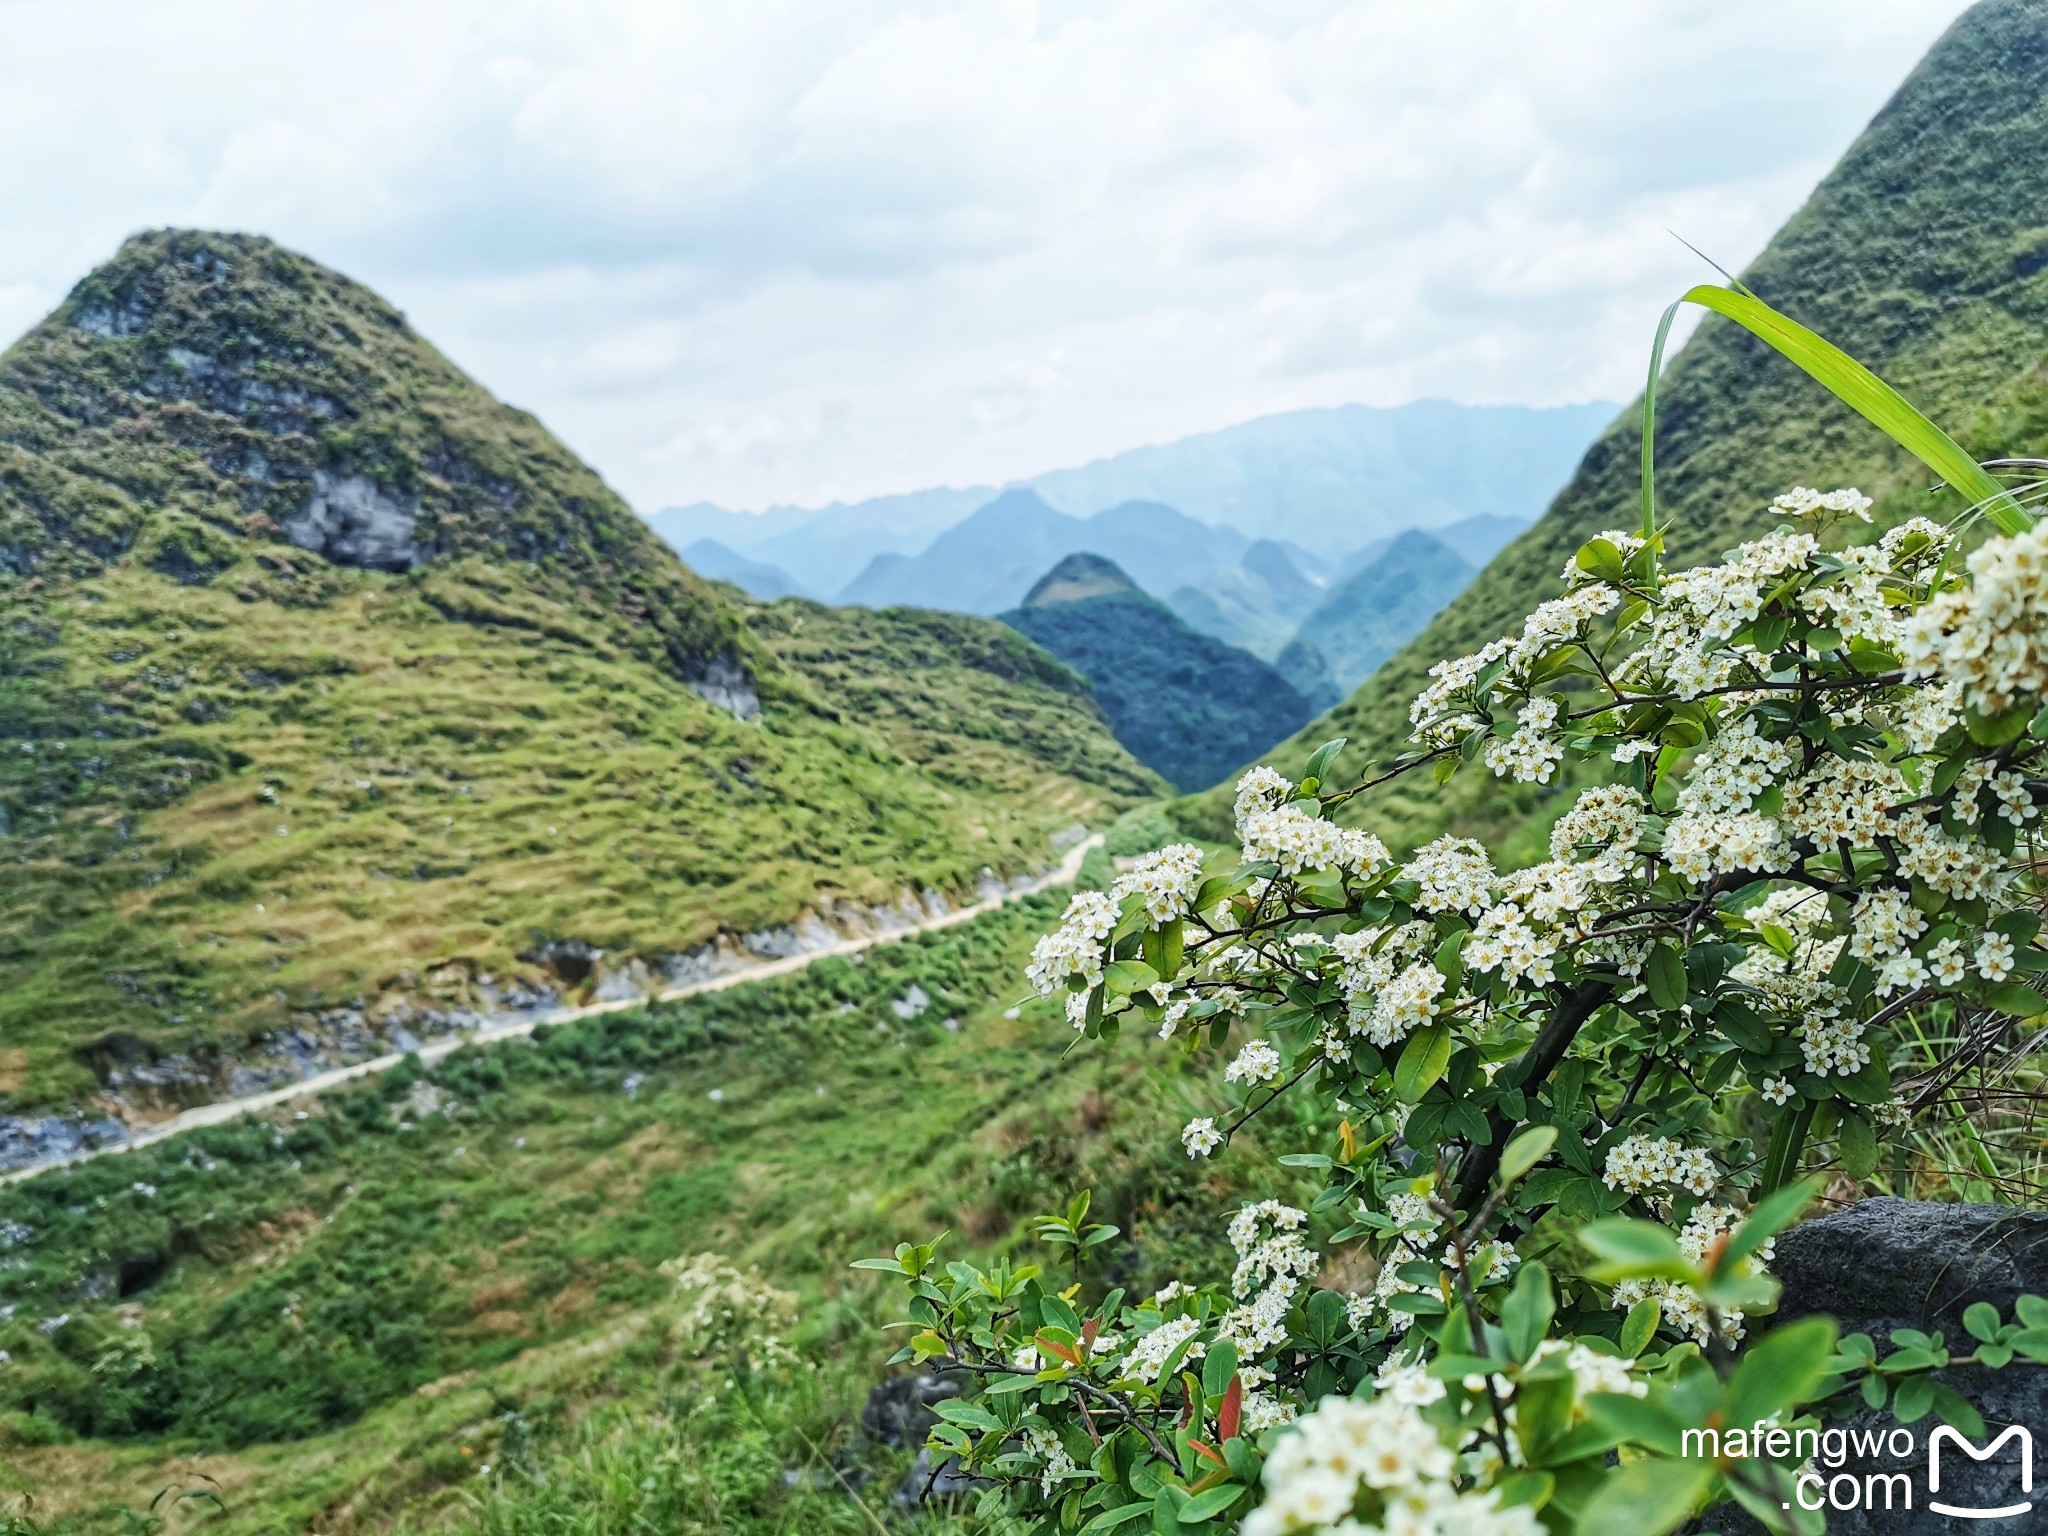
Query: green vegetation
(1186, 704)
(1923, 254)
(322, 1313)
(242, 781)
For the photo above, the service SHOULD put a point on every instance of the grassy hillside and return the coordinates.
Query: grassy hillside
(344, 1318)
(326, 681)
(1187, 705)
(1924, 253)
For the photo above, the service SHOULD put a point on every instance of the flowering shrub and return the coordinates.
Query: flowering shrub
(1571, 1102)
(725, 1312)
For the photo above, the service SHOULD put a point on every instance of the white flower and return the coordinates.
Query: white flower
(1167, 880)
(1776, 1090)
(1455, 875)
(1257, 1062)
(1075, 947)
(1643, 1163)
(1201, 1137)
(1148, 1355)
(1994, 957)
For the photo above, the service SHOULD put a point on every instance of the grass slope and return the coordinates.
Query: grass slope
(1924, 254)
(341, 1318)
(241, 782)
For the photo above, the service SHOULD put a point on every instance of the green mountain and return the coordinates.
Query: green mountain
(1187, 705)
(1924, 254)
(1366, 617)
(332, 690)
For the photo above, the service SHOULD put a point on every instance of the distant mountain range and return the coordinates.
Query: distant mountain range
(1329, 480)
(1183, 703)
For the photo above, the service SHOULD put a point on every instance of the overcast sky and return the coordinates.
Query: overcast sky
(751, 251)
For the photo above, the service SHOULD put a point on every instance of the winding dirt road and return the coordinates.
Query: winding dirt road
(223, 1110)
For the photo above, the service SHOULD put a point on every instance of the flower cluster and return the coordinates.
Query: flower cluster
(1705, 1230)
(1354, 1467)
(1806, 815)
(1166, 882)
(1643, 1164)
(1991, 636)
(1273, 1261)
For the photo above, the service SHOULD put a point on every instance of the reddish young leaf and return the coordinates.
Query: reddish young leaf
(1231, 1414)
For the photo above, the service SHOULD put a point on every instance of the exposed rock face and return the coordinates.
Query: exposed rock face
(352, 521)
(724, 683)
(1886, 1264)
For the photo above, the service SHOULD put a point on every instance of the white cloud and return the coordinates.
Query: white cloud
(754, 250)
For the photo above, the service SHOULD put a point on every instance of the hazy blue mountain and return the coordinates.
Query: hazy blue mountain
(988, 562)
(1183, 703)
(1375, 610)
(708, 557)
(1307, 671)
(1335, 478)
(824, 547)
(1256, 604)
(1327, 480)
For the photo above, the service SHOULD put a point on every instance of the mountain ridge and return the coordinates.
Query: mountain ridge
(336, 693)
(1917, 254)
(1182, 701)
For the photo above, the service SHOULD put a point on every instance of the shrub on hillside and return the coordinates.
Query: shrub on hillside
(1572, 1101)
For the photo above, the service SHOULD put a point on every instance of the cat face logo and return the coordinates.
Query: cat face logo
(2004, 1512)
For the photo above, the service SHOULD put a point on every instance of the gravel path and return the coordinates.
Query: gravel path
(224, 1110)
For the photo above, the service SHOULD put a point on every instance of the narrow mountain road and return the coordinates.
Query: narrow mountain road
(223, 1110)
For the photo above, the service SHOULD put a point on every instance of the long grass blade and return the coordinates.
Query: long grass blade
(1650, 420)
(1866, 394)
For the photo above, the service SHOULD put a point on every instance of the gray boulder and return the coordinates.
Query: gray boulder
(1888, 1263)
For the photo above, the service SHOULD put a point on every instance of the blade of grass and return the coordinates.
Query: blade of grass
(1870, 397)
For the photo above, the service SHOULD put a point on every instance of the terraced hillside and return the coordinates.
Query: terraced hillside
(332, 691)
(1924, 253)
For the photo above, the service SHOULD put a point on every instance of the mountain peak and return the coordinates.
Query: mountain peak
(1077, 578)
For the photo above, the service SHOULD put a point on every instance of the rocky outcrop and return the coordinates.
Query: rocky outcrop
(1885, 1264)
(351, 520)
(140, 1082)
(723, 683)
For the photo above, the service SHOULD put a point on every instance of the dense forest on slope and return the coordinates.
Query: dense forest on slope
(1187, 706)
(332, 689)
(1924, 254)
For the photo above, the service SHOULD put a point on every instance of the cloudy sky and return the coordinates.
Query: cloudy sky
(752, 250)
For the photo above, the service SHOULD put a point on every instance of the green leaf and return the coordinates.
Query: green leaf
(1110, 1519)
(1665, 974)
(1915, 1395)
(1525, 1152)
(1981, 1319)
(1633, 1250)
(1599, 557)
(1216, 1500)
(1958, 1410)
(1770, 1216)
(1781, 1370)
(1859, 1147)
(1422, 1062)
(2019, 1001)
(1120, 978)
(1319, 761)
(1866, 394)
(1647, 1498)
(1527, 1312)
(1218, 1367)
(1639, 1328)
(1996, 730)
